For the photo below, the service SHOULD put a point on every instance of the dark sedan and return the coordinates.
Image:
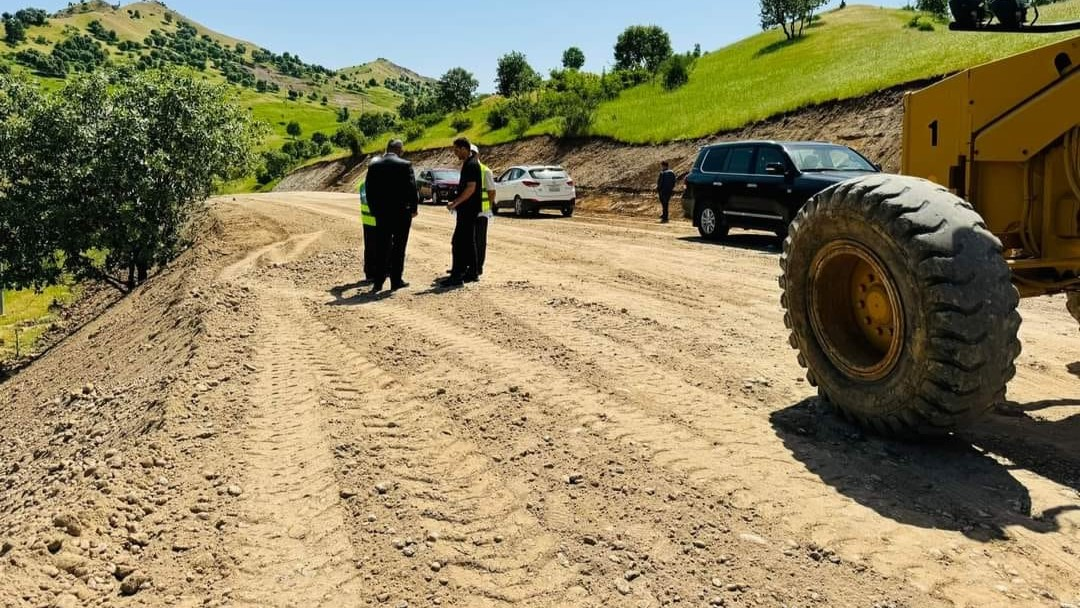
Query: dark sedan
(437, 185)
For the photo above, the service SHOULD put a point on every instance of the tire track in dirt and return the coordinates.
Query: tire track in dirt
(294, 549)
(705, 437)
(443, 480)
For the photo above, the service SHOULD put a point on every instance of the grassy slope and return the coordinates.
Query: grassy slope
(853, 52)
(29, 312)
(275, 109)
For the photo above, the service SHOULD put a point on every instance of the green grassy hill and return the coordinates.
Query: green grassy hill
(156, 29)
(848, 53)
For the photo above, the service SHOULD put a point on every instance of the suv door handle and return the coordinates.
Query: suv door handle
(751, 185)
(718, 183)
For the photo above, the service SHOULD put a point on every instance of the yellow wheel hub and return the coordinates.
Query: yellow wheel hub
(855, 311)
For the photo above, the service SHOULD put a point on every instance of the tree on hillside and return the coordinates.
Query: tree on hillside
(293, 129)
(573, 58)
(456, 89)
(642, 47)
(514, 75)
(939, 8)
(116, 165)
(791, 15)
(14, 29)
(32, 17)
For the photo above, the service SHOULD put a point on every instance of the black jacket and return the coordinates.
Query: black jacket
(665, 183)
(391, 188)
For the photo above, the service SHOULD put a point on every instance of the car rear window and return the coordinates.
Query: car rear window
(714, 160)
(549, 173)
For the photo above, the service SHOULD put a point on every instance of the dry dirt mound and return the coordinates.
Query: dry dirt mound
(620, 177)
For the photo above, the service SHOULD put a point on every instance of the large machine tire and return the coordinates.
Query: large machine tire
(900, 304)
(1073, 304)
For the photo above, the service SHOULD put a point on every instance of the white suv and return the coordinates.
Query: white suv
(529, 188)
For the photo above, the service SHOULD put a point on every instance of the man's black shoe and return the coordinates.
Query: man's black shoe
(365, 283)
(452, 282)
(399, 286)
(471, 279)
(375, 289)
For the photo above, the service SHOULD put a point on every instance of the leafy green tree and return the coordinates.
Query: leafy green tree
(14, 29)
(350, 138)
(293, 129)
(33, 17)
(514, 75)
(319, 138)
(375, 123)
(642, 47)
(791, 15)
(407, 110)
(573, 58)
(119, 165)
(456, 89)
(676, 71)
(939, 8)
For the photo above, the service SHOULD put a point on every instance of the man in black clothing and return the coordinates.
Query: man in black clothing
(466, 207)
(393, 199)
(665, 187)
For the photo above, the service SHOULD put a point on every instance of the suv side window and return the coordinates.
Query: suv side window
(768, 155)
(714, 160)
(738, 161)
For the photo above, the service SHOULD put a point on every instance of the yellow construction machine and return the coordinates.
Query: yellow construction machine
(901, 292)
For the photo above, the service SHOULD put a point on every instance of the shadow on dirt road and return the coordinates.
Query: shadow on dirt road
(765, 243)
(962, 484)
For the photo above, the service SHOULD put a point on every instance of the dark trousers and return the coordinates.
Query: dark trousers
(392, 241)
(463, 246)
(665, 203)
(370, 249)
(481, 243)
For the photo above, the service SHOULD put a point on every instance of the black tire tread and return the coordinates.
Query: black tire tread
(971, 305)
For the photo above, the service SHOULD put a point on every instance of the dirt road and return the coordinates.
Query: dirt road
(611, 418)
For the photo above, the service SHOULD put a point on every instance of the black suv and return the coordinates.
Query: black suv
(763, 184)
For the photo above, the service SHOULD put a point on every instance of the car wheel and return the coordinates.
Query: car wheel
(568, 211)
(711, 225)
(519, 207)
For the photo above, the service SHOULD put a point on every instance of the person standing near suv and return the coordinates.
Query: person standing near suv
(665, 187)
(466, 207)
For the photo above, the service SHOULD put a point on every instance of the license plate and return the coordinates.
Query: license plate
(554, 188)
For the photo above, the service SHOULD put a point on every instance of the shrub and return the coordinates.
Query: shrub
(461, 123)
(413, 131)
(676, 71)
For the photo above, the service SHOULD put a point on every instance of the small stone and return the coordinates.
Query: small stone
(54, 545)
(122, 571)
(383, 597)
(51, 571)
(575, 479)
(133, 583)
(432, 537)
(631, 575)
(66, 600)
(347, 494)
(402, 604)
(6, 548)
(623, 587)
(181, 546)
(116, 462)
(718, 601)
(409, 551)
(436, 566)
(399, 544)
(235, 491)
(588, 540)
(68, 524)
(383, 487)
(700, 544)
(717, 583)
(753, 538)
(371, 518)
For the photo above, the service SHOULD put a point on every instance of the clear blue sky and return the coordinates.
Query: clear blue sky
(431, 37)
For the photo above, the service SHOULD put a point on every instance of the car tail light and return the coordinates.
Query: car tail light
(570, 182)
(530, 184)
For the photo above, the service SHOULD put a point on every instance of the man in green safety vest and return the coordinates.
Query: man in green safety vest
(486, 213)
(370, 237)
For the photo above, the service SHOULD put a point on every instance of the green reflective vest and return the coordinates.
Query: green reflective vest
(365, 211)
(485, 186)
